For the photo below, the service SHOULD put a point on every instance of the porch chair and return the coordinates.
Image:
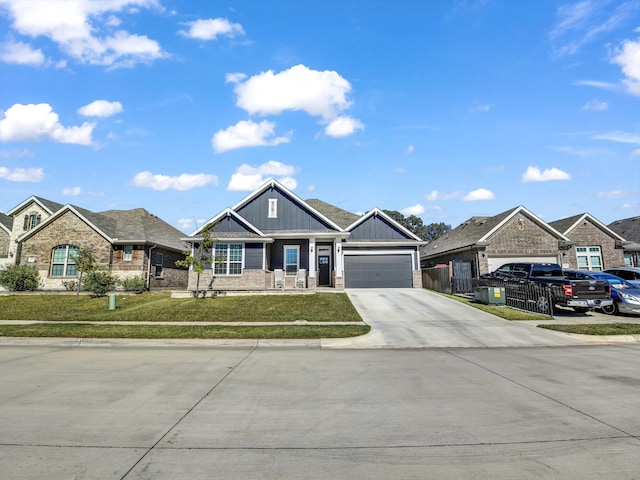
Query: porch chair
(301, 278)
(279, 278)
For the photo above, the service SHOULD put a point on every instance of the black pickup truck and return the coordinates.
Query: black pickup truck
(581, 295)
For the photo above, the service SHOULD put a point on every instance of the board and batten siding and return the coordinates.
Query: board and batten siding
(376, 228)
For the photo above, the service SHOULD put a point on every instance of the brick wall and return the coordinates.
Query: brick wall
(588, 234)
(249, 280)
(522, 236)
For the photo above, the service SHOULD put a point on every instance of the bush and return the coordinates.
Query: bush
(19, 278)
(70, 286)
(99, 282)
(133, 284)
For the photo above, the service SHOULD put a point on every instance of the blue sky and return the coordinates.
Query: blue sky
(444, 110)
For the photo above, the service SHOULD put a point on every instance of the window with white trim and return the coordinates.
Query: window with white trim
(159, 258)
(273, 208)
(228, 258)
(291, 259)
(63, 263)
(589, 258)
(128, 253)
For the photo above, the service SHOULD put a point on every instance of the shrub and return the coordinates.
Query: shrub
(99, 282)
(70, 285)
(18, 278)
(133, 284)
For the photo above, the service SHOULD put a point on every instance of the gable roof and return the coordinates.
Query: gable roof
(249, 231)
(136, 226)
(629, 228)
(48, 205)
(6, 222)
(476, 231)
(566, 225)
(379, 213)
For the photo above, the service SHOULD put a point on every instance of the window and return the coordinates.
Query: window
(63, 261)
(589, 258)
(291, 259)
(158, 264)
(228, 258)
(273, 208)
(31, 221)
(128, 252)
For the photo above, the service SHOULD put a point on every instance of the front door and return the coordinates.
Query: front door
(324, 266)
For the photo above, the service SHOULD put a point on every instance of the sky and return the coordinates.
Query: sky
(440, 109)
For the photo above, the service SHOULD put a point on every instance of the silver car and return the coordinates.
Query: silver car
(625, 295)
(630, 274)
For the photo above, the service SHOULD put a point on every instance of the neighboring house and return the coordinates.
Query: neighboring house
(273, 229)
(516, 235)
(594, 245)
(6, 223)
(629, 228)
(128, 242)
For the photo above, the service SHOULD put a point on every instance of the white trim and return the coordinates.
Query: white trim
(33, 199)
(273, 208)
(524, 211)
(377, 212)
(230, 213)
(365, 243)
(378, 252)
(284, 259)
(597, 223)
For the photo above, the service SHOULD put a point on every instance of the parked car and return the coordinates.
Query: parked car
(625, 295)
(630, 274)
(581, 295)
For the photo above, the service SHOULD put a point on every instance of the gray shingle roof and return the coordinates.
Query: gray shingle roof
(564, 224)
(137, 225)
(627, 228)
(53, 206)
(340, 217)
(7, 221)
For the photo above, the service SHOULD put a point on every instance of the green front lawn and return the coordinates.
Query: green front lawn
(597, 329)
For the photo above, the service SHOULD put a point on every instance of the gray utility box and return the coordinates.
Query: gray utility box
(490, 295)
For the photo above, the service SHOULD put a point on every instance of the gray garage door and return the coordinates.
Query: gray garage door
(377, 271)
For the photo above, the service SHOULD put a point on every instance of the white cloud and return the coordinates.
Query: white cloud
(480, 108)
(33, 123)
(33, 175)
(479, 194)
(73, 191)
(635, 152)
(185, 224)
(100, 108)
(597, 84)
(620, 137)
(618, 194)
(595, 105)
(436, 195)
(234, 77)
(413, 210)
(246, 133)
(343, 127)
(410, 149)
(248, 178)
(628, 58)
(182, 182)
(84, 30)
(20, 53)
(209, 29)
(318, 93)
(15, 154)
(534, 174)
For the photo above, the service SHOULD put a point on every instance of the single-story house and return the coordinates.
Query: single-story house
(594, 245)
(129, 243)
(273, 232)
(516, 235)
(629, 228)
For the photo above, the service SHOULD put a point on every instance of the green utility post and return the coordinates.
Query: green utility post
(112, 301)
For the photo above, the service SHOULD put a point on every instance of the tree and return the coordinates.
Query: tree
(83, 258)
(435, 230)
(200, 257)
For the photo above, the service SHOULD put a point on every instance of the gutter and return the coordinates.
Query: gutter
(149, 268)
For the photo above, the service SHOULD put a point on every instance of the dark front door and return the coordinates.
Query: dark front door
(324, 271)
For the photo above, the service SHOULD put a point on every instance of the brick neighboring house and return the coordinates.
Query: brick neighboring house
(516, 235)
(629, 228)
(6, 223)
(128, 242)
(594, 245)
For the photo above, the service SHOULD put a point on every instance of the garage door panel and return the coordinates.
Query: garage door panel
(378, 271)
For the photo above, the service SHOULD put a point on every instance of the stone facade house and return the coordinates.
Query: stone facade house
(516, 235)
(6, 224)
(129, 243)
(273, 233)
(594, 245)
(629, 228)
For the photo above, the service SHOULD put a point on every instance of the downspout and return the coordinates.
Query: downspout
(149, 268)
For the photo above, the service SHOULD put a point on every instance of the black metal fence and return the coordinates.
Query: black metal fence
(530, 296)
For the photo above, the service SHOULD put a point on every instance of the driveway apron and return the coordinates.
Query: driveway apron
(417, 318)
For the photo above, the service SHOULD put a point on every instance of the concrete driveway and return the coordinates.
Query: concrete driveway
(417, 318)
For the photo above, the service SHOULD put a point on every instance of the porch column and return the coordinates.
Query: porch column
(339, 258)
(312, 258)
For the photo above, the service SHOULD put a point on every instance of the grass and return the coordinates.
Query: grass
(507, 313)
(158, 307)
(597, 329)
